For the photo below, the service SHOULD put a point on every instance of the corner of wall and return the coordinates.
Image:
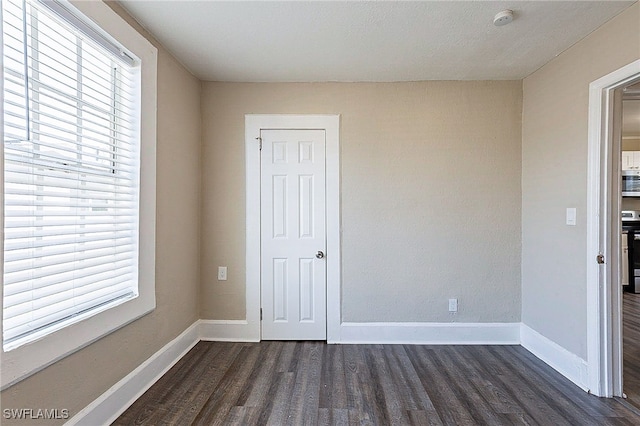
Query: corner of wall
(564, 362)
(112, 403)
(199, 291)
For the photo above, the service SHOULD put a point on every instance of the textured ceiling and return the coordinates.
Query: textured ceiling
(367, 41)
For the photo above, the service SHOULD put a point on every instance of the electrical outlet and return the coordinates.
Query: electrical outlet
(222, 273)
(453, 305)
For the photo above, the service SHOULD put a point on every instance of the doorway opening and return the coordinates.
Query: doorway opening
(628, 133)
(604, 232)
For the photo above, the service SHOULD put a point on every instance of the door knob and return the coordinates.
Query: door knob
(319, 254)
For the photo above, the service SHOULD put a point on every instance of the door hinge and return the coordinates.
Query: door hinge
(260, 314)
(600, 259)
(259, 139)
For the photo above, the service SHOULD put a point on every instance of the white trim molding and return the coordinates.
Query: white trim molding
(604, 346)
(429, 333)
(331, 125)
(108, 406)
(227, 331)
(564, 362)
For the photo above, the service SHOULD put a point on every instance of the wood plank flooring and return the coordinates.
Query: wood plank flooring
(631, 347)
(312, 383)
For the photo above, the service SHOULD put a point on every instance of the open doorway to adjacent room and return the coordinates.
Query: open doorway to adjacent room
(629, 137)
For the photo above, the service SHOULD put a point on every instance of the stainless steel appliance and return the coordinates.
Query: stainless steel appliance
(631, 183)
(631, 227)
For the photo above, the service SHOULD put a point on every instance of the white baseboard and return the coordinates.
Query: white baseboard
(564, 362)
(426, 333)
(108, 406)
(229, 331)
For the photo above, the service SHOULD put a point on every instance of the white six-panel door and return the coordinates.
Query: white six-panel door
(293, 235)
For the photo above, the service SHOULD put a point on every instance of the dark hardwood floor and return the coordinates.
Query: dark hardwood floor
(312, 383)
(631, 347)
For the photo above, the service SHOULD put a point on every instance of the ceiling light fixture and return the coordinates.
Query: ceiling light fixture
(503, 18)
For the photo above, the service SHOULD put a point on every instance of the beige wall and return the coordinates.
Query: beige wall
(630, 203)
(430, 196)
(631, 144)
(554, 177)
(78, 379)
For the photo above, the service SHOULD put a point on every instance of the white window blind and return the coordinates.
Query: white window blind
(71, 170)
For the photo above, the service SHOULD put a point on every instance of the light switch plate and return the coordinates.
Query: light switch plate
(222, 273)
(571, 216)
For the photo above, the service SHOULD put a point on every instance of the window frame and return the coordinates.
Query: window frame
(25, 360)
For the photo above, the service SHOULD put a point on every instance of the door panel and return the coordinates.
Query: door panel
(280, 303)
(306, 290)
(293, 278)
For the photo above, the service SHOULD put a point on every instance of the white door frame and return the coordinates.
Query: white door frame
(604, 325)
(331, 125)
